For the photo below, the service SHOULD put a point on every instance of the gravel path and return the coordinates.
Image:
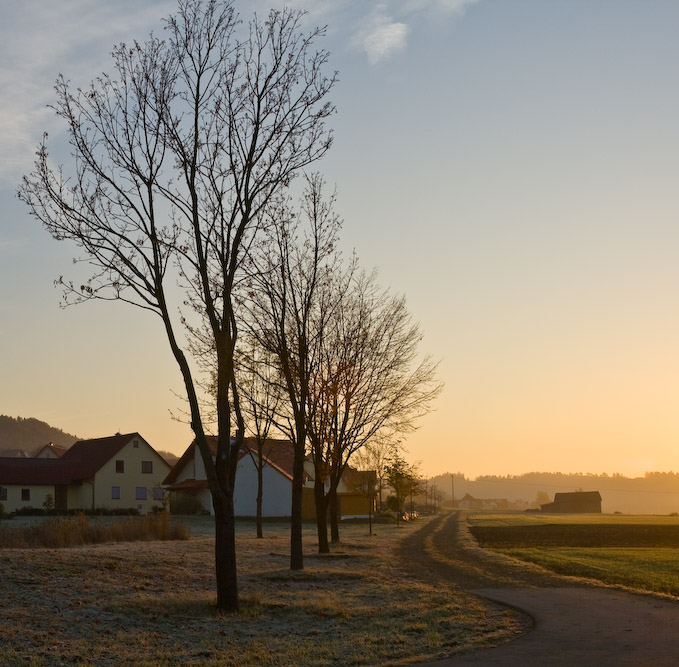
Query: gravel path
(568, 621)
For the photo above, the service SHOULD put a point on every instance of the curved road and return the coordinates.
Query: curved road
(570, 622)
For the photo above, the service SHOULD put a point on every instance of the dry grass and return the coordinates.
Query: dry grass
(70, 531)
(153, 604)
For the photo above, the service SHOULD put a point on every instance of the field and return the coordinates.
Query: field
(152, 603)
(640, 553)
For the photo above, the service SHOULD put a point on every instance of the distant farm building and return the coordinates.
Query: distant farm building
(468, 502)
(577, 502)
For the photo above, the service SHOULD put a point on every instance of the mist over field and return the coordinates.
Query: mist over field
(655, 493)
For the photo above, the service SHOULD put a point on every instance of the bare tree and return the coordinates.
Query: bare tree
(288, 312)
(404, 479)
(174, 158)
(375, 456)
(369, 386)
(261, 389)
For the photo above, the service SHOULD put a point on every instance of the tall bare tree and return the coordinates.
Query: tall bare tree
(291, 274)
(174, 158)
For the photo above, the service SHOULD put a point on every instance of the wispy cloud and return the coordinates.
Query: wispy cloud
(381, 36)
(38, 40)
(384, 32)
(438, 6)
(379, 30)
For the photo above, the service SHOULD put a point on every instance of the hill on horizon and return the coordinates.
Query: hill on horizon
(31, 434)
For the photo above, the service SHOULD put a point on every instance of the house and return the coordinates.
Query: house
(13, 454)
(356, 493)
(188, 477)
(118, 472)
(29, 482)
(577, 502)
(50, 451)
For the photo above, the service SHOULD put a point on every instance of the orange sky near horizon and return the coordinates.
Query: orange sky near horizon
(510, 167)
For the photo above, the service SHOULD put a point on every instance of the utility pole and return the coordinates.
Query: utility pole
(452, 484)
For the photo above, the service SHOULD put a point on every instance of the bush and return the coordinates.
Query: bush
(186, 503)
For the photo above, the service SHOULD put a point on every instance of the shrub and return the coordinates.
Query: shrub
(186, 503)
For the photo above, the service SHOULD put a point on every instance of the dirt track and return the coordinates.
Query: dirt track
(568, 621)
(445, 551)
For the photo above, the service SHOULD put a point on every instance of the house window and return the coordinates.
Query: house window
(140, 493)
(158, 493)
(25, 494)
(135, 444)
(3, 493)
(147, 467)
(120, 466)
(115, 493)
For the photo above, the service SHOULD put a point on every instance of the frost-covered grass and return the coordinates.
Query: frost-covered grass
(152, 603)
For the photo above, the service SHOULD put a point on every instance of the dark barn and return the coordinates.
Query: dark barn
(577, 502)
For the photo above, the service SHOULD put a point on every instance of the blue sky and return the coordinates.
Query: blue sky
(509, 165)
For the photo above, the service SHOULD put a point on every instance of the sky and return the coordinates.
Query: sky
(511, 166)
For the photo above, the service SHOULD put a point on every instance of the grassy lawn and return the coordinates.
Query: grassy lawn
(152, 603)
(635, 552)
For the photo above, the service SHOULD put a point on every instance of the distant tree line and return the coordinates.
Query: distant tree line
(31, 434)
(654, 493)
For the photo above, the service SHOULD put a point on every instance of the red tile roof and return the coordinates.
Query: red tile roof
(91, 455)
(37, 471)
(279, 454)
(56, 449)
(80, 462)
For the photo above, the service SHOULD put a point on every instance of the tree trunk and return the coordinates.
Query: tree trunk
(260, 485)
(321, 501)
(225, 556)
(296, 552)
(334, 516)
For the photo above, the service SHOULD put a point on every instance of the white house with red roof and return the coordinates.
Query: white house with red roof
(188, 477)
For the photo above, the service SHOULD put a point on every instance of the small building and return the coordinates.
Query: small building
(576, 502)
(469, 502)
(356, 494)
(118, 472)
(50, 451)
(14, 454)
